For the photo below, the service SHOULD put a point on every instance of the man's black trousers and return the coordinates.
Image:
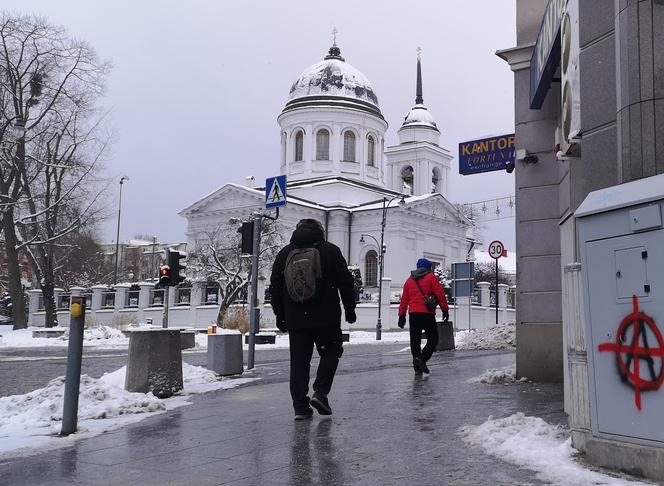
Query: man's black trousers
(329, 346)
(427, 323)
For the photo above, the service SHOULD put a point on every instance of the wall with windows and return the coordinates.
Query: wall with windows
(319, 142)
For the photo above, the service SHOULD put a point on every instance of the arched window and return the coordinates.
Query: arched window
(349, 146)
(283, 148)
(435, 181)
(371, 269)
(371, 151)
(299, 146)
(407, 177)
(323, 145)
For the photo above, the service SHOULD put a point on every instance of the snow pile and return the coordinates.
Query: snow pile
(34, 419)
(105, 332)
(498, 376)
(496, 337)
(532, 443)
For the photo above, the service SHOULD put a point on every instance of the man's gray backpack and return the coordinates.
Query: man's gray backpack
(302, 270)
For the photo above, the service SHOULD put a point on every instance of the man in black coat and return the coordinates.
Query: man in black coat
(315, 319)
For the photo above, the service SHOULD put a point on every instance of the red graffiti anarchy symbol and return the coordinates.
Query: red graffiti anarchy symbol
(629, 356)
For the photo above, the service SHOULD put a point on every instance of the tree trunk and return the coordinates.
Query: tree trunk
(19, 313)
(49, 304)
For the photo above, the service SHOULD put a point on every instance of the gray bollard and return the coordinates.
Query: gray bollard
(224, 353)
(154, 362)
(445, 336)
(73, 373)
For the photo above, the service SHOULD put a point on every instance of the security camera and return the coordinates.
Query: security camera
(509, 168)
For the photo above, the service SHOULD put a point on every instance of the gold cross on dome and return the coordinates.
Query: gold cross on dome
(334, 36)
(419, 53)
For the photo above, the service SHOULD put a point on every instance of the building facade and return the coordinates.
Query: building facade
(589, 114)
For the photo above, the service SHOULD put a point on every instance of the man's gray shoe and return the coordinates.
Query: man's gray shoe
(320, 403)
(304, 414)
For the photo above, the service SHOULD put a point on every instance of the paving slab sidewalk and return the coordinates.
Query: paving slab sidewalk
(389, 428)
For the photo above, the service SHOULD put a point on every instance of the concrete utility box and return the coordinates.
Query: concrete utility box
(154, 362)
(224, 353)
(621, 244)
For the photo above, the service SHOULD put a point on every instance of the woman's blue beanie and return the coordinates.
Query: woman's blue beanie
(424, 263)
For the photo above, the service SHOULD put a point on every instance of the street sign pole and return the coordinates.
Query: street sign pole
(164, 321)
(253, 302)
(496, 251)
(496, 291)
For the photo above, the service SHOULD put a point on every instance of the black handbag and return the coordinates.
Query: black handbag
(431, 301)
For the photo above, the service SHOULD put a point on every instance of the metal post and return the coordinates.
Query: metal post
(496, 291)
(253, 302)
(73, 372)
(117, 236)
(381, 262)
(155, 272)
(164, 321)
(470, 302)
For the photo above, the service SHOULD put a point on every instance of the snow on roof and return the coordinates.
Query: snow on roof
(333, 77)
(419, 116)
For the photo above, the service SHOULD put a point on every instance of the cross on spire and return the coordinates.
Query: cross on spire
(419, 53)
(334, 36)
(418, 87)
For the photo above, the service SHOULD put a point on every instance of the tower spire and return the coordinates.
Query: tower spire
(418, 90)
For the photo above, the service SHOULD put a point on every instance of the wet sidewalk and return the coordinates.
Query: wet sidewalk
(388, 428)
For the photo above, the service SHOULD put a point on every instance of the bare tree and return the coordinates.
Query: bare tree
(216, 256)
(50, 85)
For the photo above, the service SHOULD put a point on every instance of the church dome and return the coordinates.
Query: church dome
(333, 82)
(419, 116)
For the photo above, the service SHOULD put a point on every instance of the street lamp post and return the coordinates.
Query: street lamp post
(117, 236)
(381, 259)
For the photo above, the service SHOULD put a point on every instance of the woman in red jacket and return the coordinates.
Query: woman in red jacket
(417, 298)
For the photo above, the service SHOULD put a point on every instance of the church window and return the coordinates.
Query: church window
(323, 145)
(349, 146)
(407, 178)
(435, 181)
(371, 151)
(299, 146)
(283, 148)
(371, 269)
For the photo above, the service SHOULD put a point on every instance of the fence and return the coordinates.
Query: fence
(198, 307)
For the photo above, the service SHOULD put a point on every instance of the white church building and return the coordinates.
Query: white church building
(340, 172)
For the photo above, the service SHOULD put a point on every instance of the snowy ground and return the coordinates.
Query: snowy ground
(33, 421)
(102, 336)
(532, 443)
(497, 337)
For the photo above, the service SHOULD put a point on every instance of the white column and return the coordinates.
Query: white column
(387, 319)
(96, 296)
(121, 295)
(77, 291)
(502, 295)
(33, 306)
(143, 299)
(485, 293)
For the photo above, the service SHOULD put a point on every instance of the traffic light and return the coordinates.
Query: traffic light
(164, 276)
(177, 268)
(247, 240)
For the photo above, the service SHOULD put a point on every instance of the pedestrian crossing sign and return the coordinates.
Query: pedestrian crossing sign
(275, 192)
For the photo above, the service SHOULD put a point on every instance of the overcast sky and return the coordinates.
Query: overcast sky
(197, 86)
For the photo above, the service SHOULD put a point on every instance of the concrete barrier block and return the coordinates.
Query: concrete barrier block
(445, 336)
(154, 362)
(224, 353)
(187, 339)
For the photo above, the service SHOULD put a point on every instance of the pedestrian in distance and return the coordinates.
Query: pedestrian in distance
(421, 295)
(308, 277)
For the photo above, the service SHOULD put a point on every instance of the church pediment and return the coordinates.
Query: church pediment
(435, 205)
(228, 197)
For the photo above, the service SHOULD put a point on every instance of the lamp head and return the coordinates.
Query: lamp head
(362, 239)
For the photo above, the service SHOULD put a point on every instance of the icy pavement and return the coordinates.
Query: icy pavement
(34, 420)
(534, 444)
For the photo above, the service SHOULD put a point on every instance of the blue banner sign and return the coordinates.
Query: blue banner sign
(546, 54)
(486, 154)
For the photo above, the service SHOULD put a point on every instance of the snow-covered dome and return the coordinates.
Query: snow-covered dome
(419, 115)
(333, 81)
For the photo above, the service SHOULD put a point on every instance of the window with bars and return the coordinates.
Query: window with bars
(371, 151)
(371, 269)
(349, 146)
(299, 146)
(323, 145)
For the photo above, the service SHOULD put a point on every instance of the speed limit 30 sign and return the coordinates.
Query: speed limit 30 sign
(497, 249)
